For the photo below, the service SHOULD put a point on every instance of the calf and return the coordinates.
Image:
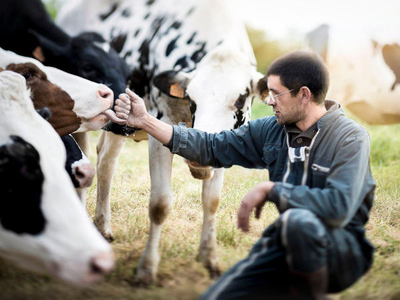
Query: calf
(192, 62)
(77, 104)
(43, 225)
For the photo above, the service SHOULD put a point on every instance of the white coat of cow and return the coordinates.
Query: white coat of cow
(43, 225)
(190, 61)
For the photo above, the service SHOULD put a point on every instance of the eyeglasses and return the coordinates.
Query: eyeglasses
(265, 97)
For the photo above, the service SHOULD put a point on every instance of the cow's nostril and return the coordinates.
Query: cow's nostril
(101, 263)
(106, 93)
(79, 174)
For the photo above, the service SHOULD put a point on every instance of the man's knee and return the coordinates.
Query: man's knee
(301, 223)
(304, 238)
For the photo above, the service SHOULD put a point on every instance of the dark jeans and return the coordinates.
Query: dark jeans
(298, 241)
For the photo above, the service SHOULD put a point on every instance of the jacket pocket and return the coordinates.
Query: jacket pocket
(319, 175)
(270, 154)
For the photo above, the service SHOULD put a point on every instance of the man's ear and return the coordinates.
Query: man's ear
(305, 94)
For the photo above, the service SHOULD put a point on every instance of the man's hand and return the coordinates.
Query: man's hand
(131, 108)
(256, 198)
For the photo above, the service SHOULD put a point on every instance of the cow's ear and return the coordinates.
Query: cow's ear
(47, 48)
(172, 83)
(259, 83)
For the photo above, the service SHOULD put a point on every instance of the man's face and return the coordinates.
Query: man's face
(287, 109)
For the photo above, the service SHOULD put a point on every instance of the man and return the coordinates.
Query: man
(320, 181)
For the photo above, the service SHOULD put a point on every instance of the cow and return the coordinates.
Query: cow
(369, 93)
(76, 104)
(192, 62)
(43, 225)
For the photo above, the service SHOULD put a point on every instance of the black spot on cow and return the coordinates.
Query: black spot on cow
(190, 11)
(106, 15)
(240, 119)
(136, 33)
(22, 180)
(182, 62)
(126, 13)
(160, 114)
(190, 40)
(391, 55)
(147, 16)
(118, 42)
(199, 53)
(193, 108)
(171, 46)
(127, 54)
(74, 154)
(176, 25)
(241, 100)
(150, 2)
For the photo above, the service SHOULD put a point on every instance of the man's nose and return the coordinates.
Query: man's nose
(270, 101)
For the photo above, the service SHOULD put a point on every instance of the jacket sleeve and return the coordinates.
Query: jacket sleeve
(243, 146)
(347, 184)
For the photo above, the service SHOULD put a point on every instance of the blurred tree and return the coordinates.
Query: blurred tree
(267, 50)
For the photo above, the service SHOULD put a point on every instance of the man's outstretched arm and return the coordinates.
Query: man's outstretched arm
(131, 108)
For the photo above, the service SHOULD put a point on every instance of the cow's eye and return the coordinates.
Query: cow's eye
(27, 75)
(87, 68)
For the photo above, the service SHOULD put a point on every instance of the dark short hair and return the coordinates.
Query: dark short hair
(301, 68)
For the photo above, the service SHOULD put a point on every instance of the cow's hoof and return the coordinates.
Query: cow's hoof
(108, 236)
(214, 272)
(143, 278)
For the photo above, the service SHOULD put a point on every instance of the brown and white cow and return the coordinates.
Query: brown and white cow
(43, 225)
(192, 62)
(364, 72)
(84, 106)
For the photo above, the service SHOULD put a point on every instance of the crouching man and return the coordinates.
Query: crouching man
(320, 181)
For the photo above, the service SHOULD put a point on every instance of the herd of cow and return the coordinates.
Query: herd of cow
(191, 61)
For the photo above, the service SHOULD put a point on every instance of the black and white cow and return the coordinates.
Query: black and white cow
(27, 29)
(192, 62)
(43, 225)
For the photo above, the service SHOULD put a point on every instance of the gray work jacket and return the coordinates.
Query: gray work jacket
(337, 184)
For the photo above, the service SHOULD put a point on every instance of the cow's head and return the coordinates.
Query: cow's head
(87, 55)
(219, 92)
(77, 105)
(43, 225)
(78, 166)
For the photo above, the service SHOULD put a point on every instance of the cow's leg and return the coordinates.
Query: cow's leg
(160, 160)
(208, 244)
(108, 149)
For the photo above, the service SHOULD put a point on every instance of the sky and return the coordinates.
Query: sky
(349, 20)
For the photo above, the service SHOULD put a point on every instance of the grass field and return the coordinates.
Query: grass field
(180, 276)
